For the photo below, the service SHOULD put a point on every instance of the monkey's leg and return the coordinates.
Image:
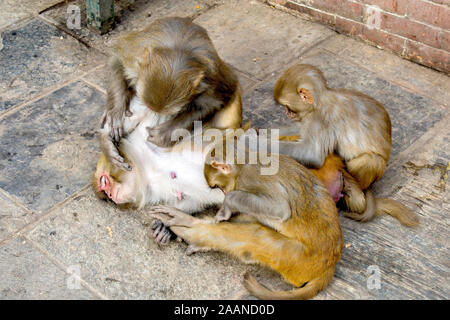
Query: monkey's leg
(354, 197)
(366, 168)
(250, 242)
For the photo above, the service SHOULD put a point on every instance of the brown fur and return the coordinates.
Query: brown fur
(303, 245)
(353, 125)
(363, 206)
(173, 67)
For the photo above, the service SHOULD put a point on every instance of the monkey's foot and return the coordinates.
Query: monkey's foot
(191, 249)
(161, 233)
(172, 217)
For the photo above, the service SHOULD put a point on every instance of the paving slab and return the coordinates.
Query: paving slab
(25, 273)
(13, 10)
(12, 217)
(411, 114)
(130, 15)
(48, 148)
(36, 56)
(117, 256)
(418, 79)
(258, 39)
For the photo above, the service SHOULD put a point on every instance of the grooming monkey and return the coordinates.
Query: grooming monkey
(287, 222)
(353, 125)
(174, 69)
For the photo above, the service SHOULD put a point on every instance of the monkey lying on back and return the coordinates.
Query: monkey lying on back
(174, 69)
(291, 225)
(347, 122)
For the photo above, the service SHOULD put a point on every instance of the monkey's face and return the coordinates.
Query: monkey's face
(220, 175)
(112, 183)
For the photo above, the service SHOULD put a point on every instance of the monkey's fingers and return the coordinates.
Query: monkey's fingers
(114, 157)
(161, 217)
(171, 211)
(119, 162)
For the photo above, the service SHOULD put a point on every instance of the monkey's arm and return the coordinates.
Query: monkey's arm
(312, 147)
(117, 101)
(201, 108)
(267, 210)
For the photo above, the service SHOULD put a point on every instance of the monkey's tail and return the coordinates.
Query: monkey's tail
(306, 292)
(381, 206)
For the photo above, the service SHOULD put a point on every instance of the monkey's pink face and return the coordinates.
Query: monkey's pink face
(119, 193)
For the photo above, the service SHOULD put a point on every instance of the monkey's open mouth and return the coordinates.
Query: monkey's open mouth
(104, 181)
(105, 185)
(291, 114)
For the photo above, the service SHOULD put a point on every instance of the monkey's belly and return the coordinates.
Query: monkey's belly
(173, 177)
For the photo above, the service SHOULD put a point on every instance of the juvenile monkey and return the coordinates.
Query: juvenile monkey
(353, 125)
(174, 69)
(292, 225)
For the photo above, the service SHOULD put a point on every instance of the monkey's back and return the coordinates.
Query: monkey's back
(314, 216)
(314, 222)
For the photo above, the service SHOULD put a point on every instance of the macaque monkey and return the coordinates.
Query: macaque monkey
(174, 69)
(353, 125)
(290, 224)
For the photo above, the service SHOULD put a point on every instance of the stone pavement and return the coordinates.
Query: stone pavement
(54, 232)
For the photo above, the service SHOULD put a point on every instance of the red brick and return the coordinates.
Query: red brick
(445, 40)
(430, 13)
(395, 6)
(348, 26)
(410, 29)
(315, 14)
(383, 39)
(280, 2)
(345, 8)
(435, 58)
(447, 2)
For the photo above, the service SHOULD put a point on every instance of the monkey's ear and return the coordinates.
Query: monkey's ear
(223, 167)
(145, 59)
(305, 95)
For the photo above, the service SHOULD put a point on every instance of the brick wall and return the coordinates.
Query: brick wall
(418, 30)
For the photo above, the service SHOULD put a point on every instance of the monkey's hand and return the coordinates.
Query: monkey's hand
(161, 233)
(223, 214)
(161, 135)
(113, 119)
(183, 225)
(172, 217)
(111, 152)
